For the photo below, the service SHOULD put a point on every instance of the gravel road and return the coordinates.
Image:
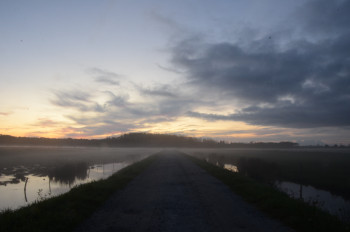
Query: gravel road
(174, 194)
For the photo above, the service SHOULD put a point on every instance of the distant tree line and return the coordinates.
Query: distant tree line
(139, 140)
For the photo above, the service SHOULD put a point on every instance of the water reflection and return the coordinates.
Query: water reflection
(69, 173)
(322, 199)
(19, 192)
(284, 168)
(333, 204)
(36, 173)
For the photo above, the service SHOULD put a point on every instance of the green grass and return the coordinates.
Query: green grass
(65, 212)
(294, 213)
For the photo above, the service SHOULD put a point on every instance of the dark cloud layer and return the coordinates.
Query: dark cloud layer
(305, 83)
(292, 77)
(324, 16)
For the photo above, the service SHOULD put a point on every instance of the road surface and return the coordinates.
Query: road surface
(174, 194)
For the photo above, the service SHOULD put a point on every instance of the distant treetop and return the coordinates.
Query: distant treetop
(139, 140)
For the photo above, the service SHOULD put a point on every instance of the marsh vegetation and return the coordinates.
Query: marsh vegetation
(319, 176)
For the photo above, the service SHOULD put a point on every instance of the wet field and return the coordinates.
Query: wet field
(29, 174)
(320, 177)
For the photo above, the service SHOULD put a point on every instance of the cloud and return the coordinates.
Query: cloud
(106, 80)
(45, 122)
(107, 123)
(158, 91)
(324, 17)
(76, 95)
(127, 106)
(5, 113)
(76, 99)
(105, 77)
(169, 25)
(169, 69)
(302, 84)
(117, 100)
(105, 129)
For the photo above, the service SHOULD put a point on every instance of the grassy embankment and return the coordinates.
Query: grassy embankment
(65, 212)
(294, 213)
(326, 169)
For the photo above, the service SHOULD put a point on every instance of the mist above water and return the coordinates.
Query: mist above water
(29, 174)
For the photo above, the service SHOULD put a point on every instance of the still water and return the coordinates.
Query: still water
(326, 171)
(29, 174)
(333, 204)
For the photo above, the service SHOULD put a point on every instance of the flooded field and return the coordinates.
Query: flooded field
(334, 204)
(320, 177)
(29, 174)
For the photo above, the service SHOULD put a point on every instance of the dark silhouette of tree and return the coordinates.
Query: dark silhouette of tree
(138, 140)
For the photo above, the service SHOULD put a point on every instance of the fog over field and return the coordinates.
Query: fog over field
(32, 173)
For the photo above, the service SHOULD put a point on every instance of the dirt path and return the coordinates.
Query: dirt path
(174, 194)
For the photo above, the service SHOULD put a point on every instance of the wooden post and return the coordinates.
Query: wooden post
(25, 190)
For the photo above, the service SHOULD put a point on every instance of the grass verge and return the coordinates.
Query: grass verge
(65, 212)
(293, 213)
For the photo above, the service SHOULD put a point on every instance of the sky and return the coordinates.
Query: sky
(239, 71)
